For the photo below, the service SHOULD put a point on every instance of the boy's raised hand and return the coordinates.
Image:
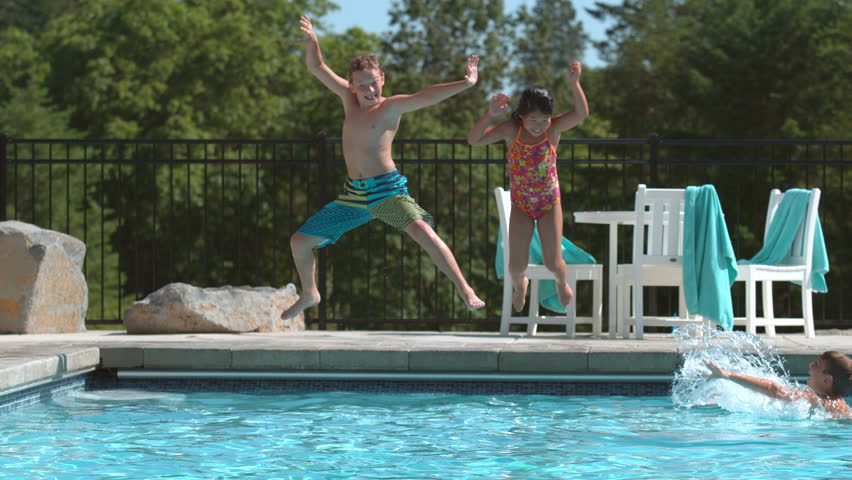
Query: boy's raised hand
(472, 71)
(576, 71)
(498, 104)
(308, 29)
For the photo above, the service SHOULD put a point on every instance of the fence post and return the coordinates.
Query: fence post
(654, 161)
(322, 261)
(3, 174)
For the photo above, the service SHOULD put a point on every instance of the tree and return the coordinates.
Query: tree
(430, 44)
(178, 69)
(730, 68)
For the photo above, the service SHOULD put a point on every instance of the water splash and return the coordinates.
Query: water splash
(739, 352)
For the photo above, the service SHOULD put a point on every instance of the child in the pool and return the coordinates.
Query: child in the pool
(830, 380)
(532, 135)
(375, 189)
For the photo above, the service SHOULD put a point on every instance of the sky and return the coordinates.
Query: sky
(375, 20)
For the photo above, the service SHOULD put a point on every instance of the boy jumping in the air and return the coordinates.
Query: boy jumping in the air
(375, 188)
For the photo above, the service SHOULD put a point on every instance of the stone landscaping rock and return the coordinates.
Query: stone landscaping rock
(182, 308)
(42, 286)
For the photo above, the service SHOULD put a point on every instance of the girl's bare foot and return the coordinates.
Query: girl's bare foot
(519, 295)
(471, 300)
(566, 295)
(305, 301)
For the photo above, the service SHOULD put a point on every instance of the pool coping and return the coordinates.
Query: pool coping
(26, 360)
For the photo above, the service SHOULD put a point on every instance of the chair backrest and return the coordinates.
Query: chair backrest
(658, 236)
(801, 251)
(504, 207)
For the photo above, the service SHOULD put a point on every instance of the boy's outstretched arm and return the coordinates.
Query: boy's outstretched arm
(436, 93)
(481, 133)
(573, 118)
(313, 59)
(760, 385)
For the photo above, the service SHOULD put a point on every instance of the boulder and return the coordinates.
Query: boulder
(182, 308)
(42, 286)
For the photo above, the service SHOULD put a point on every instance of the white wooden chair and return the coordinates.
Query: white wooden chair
(657, 260)
(536, 273)
(795, 267)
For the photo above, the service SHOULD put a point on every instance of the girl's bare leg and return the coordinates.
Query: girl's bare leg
(550, 231)
(521, 228)
(443, 258)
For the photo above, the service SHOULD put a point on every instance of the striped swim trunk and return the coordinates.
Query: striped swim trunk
(384, 197)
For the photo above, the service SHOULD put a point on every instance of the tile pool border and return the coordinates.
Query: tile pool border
(34, 393)
(252, 382)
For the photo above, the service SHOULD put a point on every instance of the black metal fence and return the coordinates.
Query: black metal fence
(219, 212)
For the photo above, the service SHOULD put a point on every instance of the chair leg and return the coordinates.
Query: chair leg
(507, 306)
(751, 308)
(638, 310)
(808, 312)
(532, 326)
(768, 309)
(597, 306)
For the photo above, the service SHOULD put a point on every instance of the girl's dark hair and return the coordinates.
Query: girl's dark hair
(534, 99)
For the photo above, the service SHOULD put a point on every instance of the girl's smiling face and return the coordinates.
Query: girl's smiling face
(536, 123)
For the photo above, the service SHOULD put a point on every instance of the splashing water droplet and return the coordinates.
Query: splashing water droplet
(739, 352)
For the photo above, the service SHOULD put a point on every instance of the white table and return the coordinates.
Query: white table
(613, 219)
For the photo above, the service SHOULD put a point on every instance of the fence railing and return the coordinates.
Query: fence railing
(219, 212)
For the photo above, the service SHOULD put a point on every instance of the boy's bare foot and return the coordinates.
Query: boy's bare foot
(519, 295)
(469, 297)
(305, 301)
(566, 295)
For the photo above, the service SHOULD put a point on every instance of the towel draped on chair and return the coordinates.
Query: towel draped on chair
(782, 232)
(572, 254)
(709, 264)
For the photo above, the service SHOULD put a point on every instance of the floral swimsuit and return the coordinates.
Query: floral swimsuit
(533, 183)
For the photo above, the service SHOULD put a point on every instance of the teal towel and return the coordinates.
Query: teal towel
(572, 254)
(782, 231)
(709, 264)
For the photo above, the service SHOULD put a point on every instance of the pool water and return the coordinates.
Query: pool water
(126, 434)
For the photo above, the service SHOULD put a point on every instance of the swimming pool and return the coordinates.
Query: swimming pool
(131, 434)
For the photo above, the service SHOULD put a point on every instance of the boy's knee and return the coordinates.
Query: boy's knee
(419, 230)
(554, 264)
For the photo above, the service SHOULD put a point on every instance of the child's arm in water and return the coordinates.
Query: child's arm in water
(760, 385)
(313, 59)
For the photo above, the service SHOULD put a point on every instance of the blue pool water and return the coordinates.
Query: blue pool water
(706, 429)
(125, 434)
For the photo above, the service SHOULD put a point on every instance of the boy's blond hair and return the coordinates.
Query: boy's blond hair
(363, 62)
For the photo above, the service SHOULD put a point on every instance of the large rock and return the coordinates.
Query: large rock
(182, 308)
(42, 286)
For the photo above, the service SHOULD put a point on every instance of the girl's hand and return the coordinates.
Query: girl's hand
(576, 71)
(472, 71)
(715, 371)
(498, 104)
(308, 29)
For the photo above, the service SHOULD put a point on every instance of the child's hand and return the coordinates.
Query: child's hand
(472, 71)
(308, 29)
(715, 371)
(576, 71)
(498, 104)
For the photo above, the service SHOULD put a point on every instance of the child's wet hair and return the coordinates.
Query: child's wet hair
(839, 366)
(363, 62)
(534, 98)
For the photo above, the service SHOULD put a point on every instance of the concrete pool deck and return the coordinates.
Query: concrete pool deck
(30, 359)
